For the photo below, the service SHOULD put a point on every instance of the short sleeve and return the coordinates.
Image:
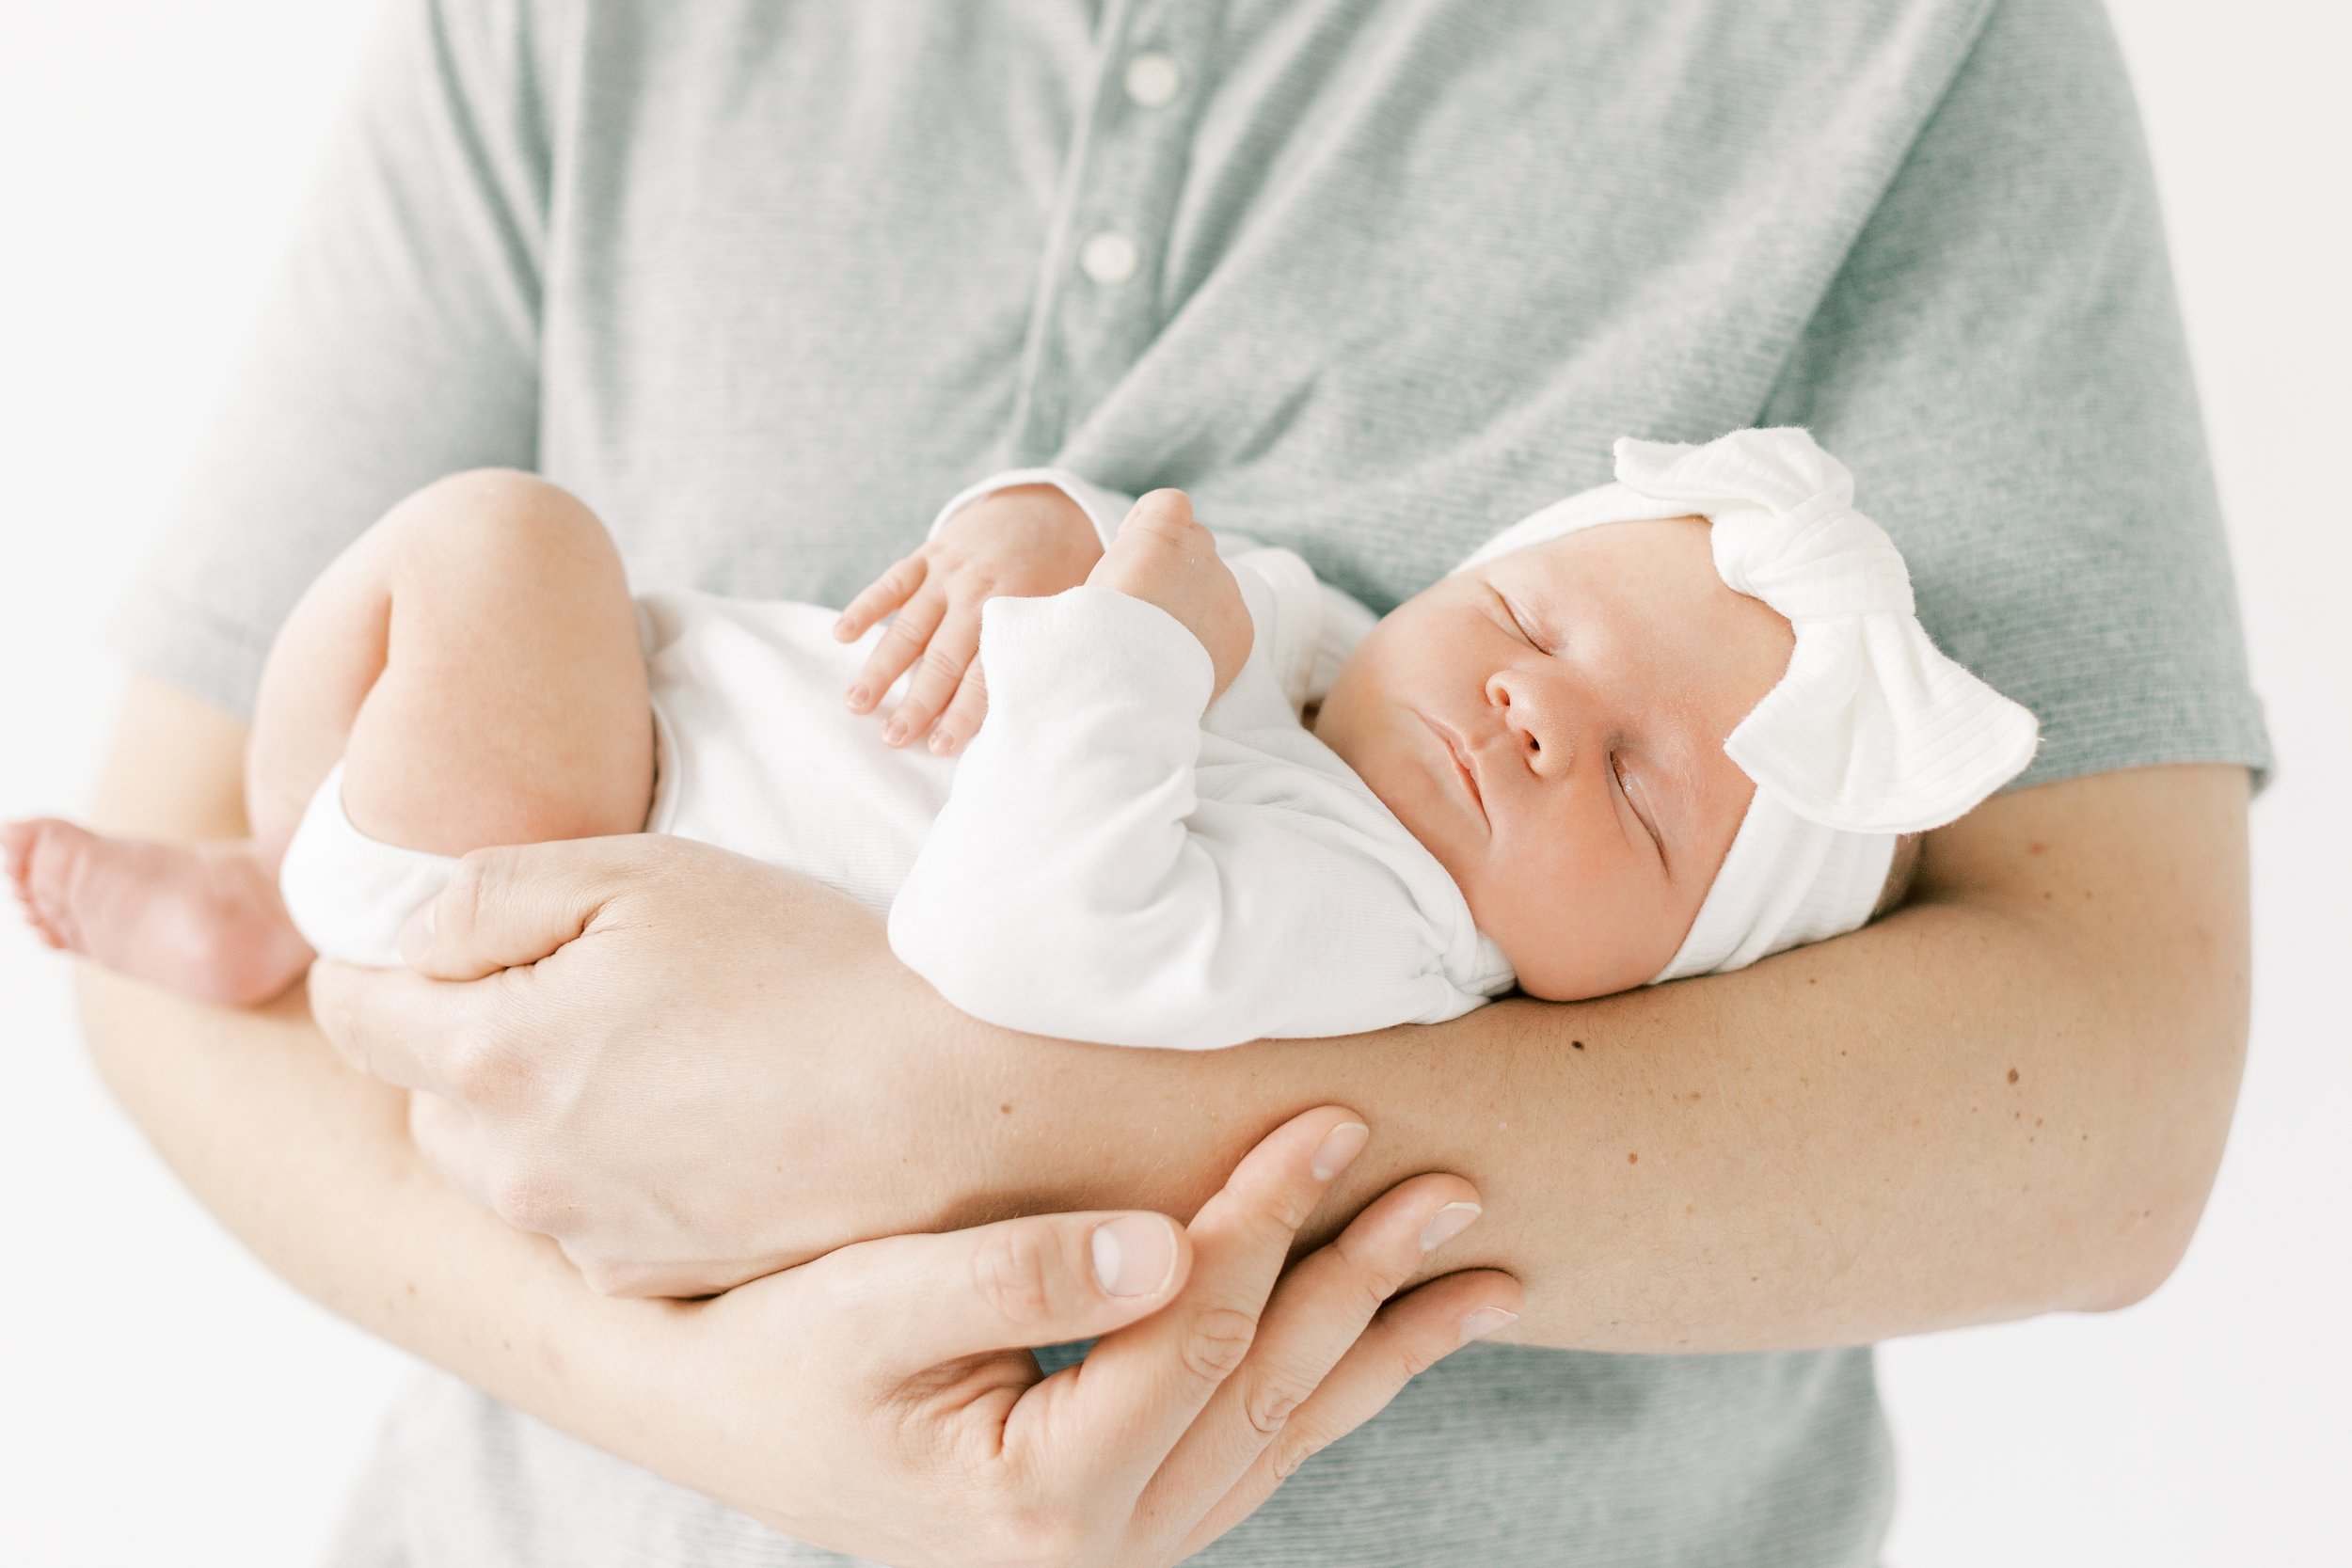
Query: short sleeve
(2000, 361)
(399, 343)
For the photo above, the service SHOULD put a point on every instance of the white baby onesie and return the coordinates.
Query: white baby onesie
(1106, 861)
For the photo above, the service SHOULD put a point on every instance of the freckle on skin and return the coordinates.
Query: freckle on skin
(1577, 1044)
(1006, 1109)
(1631, 1158)
(2037, 848)
(2013, 1075)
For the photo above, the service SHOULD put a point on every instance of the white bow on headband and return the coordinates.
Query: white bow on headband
(1872, 731)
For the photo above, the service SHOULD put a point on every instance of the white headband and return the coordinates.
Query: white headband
(1872, 733)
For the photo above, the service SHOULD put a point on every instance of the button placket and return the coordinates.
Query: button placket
(1126, 179)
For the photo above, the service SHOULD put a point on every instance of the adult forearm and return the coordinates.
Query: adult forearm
(2007, 1098)
(311, 1164)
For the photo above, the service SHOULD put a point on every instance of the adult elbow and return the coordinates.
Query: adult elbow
(2159, 1203)
(2137, 1269)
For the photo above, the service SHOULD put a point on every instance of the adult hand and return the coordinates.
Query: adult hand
(618, 1042)
(916, 1429)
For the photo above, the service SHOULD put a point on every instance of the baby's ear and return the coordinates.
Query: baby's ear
(1898, 876)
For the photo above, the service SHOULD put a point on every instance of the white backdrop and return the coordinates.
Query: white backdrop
(164, 1399)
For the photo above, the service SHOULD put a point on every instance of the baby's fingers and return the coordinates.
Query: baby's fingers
(885, 593)
(909, 632)
(962, 721)
(950, 652)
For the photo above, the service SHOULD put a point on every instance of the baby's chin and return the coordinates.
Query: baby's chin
(1581, 983)
(1571, 958)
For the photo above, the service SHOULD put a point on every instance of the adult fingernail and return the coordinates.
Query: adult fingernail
(416, 935)
(1134, 1255)
(1339, 1148)
(1485, 1322)
(1448, 1223)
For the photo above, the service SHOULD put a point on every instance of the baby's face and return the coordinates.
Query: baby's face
(1551, 727)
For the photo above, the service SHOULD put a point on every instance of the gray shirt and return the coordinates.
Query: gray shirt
(766, 281)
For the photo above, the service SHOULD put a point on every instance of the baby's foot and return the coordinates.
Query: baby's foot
(203, 920)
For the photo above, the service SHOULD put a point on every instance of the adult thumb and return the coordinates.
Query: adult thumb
(1012, 1285)
(512, 906)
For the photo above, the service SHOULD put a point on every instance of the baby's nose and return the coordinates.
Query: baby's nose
(1531, 713)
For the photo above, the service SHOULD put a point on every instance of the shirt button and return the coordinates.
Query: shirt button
(1109, 258)
(1154, 80)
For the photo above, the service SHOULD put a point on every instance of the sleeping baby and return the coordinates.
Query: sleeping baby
(1665, 727)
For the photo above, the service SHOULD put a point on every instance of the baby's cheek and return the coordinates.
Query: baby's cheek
(1575, 935)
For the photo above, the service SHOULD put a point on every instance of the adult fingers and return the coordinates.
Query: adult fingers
(908, 634)
(1140, 1390)
(952, 652)
(445, 1040)
(1317, 1314)
(882, 595)
(1409, 1336)
(517, 905)
(962, 721)
(918, 1301)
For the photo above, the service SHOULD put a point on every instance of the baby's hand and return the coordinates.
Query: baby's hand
(1028, 541)
(1161, 556)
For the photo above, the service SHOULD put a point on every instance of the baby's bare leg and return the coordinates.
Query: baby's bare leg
(472, 660)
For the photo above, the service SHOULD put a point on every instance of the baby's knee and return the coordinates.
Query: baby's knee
(500, 523)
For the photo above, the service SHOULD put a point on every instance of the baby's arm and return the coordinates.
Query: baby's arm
(1078, 885)
(1025, 534)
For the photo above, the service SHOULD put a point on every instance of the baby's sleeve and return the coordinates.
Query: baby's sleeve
(1104, 508)
(1078, 885)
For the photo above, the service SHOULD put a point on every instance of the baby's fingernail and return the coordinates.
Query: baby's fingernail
(860, 696)
(894, 731)
(1485, 1322)
(841, 629)
(417, 935)
(1134, 1255)
(1448, 1223)
(1339, 1148)
(941, 743)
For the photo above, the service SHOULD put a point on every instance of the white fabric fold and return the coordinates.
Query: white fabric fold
(1874, 731)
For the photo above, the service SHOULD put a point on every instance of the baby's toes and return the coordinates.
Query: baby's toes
(16, 849)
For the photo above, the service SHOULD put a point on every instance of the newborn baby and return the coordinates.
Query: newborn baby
(1592, 757)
